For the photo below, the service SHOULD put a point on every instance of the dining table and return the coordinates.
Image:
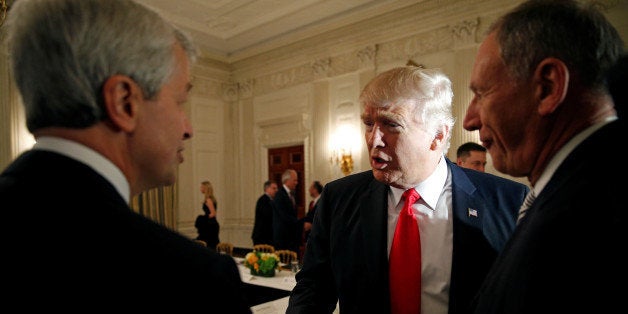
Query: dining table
(284, 278)
(268, 295)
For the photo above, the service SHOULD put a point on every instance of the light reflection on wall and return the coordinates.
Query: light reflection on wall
(25, 141)
(345, 147)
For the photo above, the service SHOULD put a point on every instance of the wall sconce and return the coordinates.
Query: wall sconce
(344, 141)
(343, 158)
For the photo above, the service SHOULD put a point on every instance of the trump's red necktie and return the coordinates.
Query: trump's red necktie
(405, 260)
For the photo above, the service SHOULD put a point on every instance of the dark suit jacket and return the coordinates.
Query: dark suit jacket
(346, 257)
(263, 226)
(309, 217)
(286, 231)
(71, 239)
(568, 253)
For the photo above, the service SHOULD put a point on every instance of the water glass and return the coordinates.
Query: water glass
(294, 266)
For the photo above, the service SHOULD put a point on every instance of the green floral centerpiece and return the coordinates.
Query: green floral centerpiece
(261, 263)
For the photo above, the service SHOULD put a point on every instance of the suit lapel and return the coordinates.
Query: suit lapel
(569, 171)
(466, 206)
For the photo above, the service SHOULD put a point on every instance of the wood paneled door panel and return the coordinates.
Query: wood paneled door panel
(282, 158)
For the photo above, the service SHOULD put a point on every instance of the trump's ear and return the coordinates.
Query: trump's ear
(552, 81)
(440, 138)
(122, 96)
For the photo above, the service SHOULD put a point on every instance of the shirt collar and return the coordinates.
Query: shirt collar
(430, 188)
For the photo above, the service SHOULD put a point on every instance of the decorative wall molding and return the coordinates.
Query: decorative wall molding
(280, 80)
(366, 56)
(344, 63)
(320, 67)
(465, 33)
(245, 89)
(230, 92)
(413, 46)
(351, 61)
(234, 91)
(283, 130)
(208, 87)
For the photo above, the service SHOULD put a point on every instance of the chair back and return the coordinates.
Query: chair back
(225, 247)
(266, 248)
(286, 256)
(201, 242)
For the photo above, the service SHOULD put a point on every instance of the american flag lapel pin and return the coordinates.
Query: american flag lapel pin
(472, 212)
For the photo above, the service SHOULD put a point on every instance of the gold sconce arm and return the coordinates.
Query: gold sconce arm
(344, 159)
(344, 146)
(346, 164)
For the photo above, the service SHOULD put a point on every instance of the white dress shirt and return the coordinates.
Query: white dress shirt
(432, 212)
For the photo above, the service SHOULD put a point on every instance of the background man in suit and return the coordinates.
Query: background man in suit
(315, 192)
(543, 110)
(471, 155)
(263, 226)
(464, 216)
(286, 226)
(104, 85)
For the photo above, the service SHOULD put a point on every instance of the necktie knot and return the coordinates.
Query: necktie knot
(410, 196)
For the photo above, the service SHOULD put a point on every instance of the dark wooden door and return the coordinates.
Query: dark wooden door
(282, 158)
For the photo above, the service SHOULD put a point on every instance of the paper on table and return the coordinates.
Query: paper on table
(274, 307)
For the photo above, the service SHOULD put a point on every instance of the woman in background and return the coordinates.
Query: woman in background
(207, 225)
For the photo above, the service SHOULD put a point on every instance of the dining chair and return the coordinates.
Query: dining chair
(267, 248)
(286, 256)
(225, 247)
(201, 242)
